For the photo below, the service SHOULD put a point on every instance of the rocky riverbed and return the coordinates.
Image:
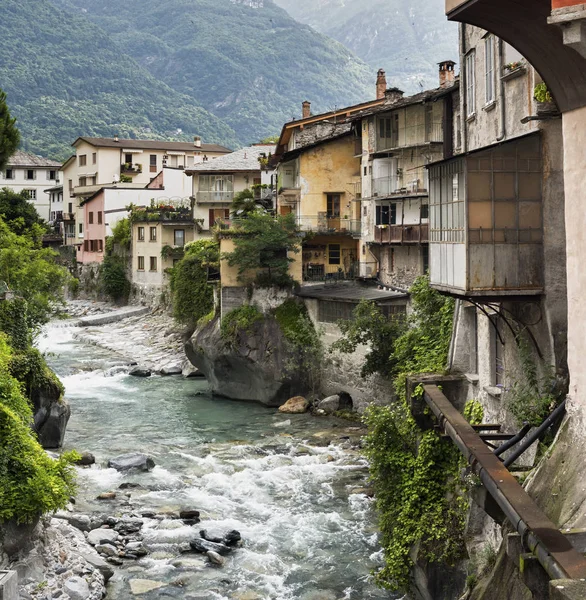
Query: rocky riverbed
(235, 501)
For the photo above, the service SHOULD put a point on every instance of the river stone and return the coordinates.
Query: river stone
(215, 558)
(77, 588)
(102, 536)
(295, 406)
(81, 522)
(132, 462)
(175, 369)
(52, 431)
(203, 546)
(107, 496)
(189, 514)
(330, 404)
(107, 549)
(189, 371)
(99, 563)
(87, 458)
(143, 586)
(260, 366)
(140, 372)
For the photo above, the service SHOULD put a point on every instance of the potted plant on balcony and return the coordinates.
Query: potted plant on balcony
(545, 102)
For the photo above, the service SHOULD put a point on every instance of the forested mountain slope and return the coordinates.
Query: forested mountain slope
(246, 61)
(65, 77)
(405, 37)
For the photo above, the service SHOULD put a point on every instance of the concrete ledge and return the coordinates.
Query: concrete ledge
(8, 585)
(567, 589)
(114, 316)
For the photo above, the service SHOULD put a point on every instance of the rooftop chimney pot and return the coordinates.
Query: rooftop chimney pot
(306, 109)
(197, 141)
(381, 84)
(393, 94)
(447, 73)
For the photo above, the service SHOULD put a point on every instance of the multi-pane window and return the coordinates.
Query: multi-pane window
(471, 83)
(386, 214)
(333, 205)
(153, 163)
(179, 237)
(141, 234)
(82, 181)
(82, 160)
(153, 235)
(141, 263)
(32, 194)
(30, 174)
(489, 70)
(334, 254)
(388, 131)
(153, 263)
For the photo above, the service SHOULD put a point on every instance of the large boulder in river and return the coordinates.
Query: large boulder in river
(50, 423)
(131, 462)
(259, 365)
(295, 406)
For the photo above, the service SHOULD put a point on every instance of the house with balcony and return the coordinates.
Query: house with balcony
(160, 231)
(398, 138)
(497, 230)
(130, 164)
(216, 182)
(32, 174)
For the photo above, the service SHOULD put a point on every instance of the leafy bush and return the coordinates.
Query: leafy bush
(31, 483)
(240, 320)
(193, 296)
(122, 233)
(113, 278)
(304, 339)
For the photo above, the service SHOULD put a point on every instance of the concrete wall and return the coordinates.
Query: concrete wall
(230, 277)
(400, 265)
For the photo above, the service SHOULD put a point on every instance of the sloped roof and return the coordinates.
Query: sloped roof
(245, 159)
(348, 292)
(26, 159)
(100, 142)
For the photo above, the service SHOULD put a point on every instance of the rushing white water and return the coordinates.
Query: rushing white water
(284, 482)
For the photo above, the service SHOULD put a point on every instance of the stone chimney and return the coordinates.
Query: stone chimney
(306, 110)
(381, 84)
(447, 73)
(393, 94)
(197, 141)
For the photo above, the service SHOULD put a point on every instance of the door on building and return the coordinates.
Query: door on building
(385, 177)
(333, 211)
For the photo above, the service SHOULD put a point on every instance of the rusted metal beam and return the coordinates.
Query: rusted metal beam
(553, 551)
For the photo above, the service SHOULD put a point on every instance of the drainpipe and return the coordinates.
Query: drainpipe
(503, 108)
(463, 83)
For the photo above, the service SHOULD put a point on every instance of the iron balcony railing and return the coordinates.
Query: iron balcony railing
(412, 181)
(215, 196)
(409, 137)
(401, 234)
(326, 225)
(330, 273)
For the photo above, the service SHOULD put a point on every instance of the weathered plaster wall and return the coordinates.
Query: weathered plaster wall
(400, 265)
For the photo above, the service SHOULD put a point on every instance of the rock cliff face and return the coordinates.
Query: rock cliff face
(259, 366)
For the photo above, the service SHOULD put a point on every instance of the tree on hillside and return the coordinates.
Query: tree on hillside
(17, 211)
(9, 134)
(32, 272)
(243, 204)
(262, 243)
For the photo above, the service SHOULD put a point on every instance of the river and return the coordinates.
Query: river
(287, 483)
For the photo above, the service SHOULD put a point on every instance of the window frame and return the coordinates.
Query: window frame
(30, 174)
(470, 64)
(140, 234)
(152, 234)
(153, 264)
(489, 70)
(90, 217)
(82, 160)
(140, 263)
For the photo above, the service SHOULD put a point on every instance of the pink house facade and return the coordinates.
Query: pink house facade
(94, 230)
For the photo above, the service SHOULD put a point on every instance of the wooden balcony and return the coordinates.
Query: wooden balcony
(401, 234)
